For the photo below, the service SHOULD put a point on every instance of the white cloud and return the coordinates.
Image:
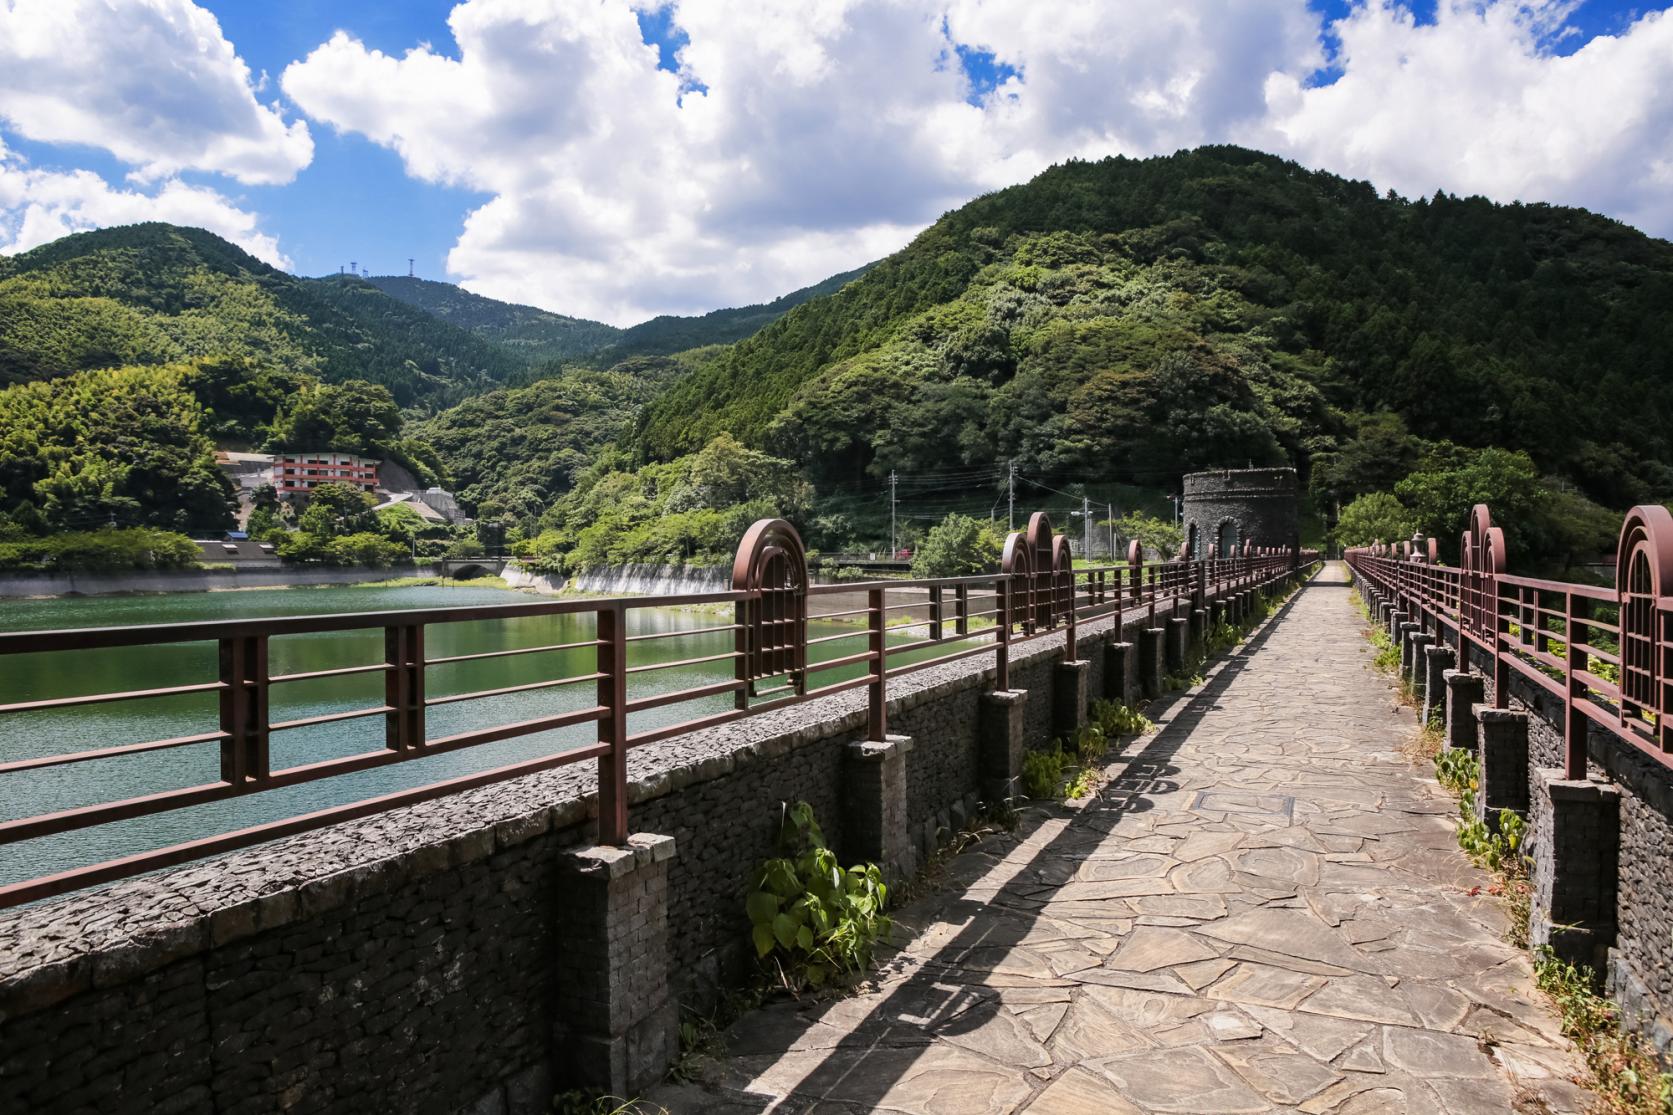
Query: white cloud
(1477, 103)
(37, 206)
(810, 135)
(154, 82)
(830, 131)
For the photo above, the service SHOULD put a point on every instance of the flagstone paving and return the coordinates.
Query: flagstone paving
(1264, 910)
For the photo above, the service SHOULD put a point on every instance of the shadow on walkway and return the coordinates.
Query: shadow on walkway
(959, 988)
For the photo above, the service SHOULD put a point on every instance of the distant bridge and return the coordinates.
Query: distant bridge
(464, 569)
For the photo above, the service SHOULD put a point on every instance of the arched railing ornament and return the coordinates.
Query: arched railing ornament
(772, 626)
(1135, 562)
(1040, 546)
(1248, 547)
(1184, 553)
(1017, 564)
(1643, 576)
(1063, 591)
(1433, 550)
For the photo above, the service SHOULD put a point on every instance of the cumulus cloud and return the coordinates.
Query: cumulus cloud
(1478, 102)
(154, 82)
(37, 206)
(805, 139)
(816, 134)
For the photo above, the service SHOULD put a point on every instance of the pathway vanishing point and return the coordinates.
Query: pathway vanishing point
(1265, 910)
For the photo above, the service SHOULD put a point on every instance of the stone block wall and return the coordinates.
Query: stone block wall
(1638, 961)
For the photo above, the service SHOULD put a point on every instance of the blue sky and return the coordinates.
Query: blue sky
(541, 155)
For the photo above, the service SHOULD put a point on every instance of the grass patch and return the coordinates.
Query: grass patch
(1625, 1074)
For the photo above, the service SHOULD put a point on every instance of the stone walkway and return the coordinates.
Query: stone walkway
(1265, 910)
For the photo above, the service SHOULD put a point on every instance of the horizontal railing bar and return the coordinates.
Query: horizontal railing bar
(526, 687)
(68, 757)
(676, 696)
(676, 663)
(514, 651)
(344, 671)
(329, 718)
(683, 634)
(107, 698)
(32, 890)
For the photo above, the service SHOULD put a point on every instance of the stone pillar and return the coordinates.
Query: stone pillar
(1068, 698)
(1502, 747)
(1464, 691)
(622, 1025)
(1437, 661)
(1179, 644)
(874, 826)
(1381, 612)
(1396, 620)
(1151, 663)
(1575, 849)
(1403, 644)
(1118, 681)
(1217, 613)
(1199, 627)
(999, 742)
(1416, 672)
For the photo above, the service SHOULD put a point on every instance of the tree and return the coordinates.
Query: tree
(1159, 537)
(957, 546)
(336, 509)
(1454, 479)
(350, 417)
(1375, 517)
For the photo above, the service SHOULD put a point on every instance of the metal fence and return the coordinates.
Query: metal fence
(1037, 592)
(1605, 651)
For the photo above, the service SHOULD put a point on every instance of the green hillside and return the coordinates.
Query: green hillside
(1130, 319)
(155, 293)
(669, 334)
(532, 335)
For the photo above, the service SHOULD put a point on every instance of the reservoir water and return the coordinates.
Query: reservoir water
(29, 677)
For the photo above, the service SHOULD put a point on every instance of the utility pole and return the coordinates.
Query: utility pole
(894, 544)
(1011, 496)
(1110, 510)
(1086, 528)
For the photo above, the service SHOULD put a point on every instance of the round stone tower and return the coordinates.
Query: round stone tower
(1227, 508)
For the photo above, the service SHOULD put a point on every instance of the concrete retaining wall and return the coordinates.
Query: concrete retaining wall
(452, 956)
(186, 580)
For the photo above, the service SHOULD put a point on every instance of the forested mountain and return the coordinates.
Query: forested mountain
(156, 293)
(1135, 318)
(532, 335)
(669, 334)
(514, 450)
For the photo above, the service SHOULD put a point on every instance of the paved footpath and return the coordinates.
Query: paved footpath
(1265, 910)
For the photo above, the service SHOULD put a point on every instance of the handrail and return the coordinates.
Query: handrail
(1037, 593)
(1605, 651)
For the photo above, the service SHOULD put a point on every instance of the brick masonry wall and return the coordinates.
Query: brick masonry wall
(411, 961)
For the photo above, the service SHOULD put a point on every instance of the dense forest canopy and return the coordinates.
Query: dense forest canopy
(1216, 307)
(532, 335)
(157, 294)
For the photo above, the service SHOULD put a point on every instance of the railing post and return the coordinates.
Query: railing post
(877, 715)
(1002, 618)
(1574, 720)
(961, 609)
(935, 630)
(243, 708)
(612, 725)
(403, 686)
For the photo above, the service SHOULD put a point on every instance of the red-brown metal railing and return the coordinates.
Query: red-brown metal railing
(1605, 651)
(1037, 592)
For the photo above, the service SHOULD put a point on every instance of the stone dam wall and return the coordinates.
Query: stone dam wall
(1603, 884)
(475, 953)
